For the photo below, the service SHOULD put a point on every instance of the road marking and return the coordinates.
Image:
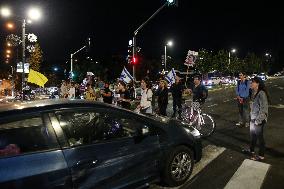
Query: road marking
(279, 106)
(209, 153)
(250, 174)
(212, 105)
(281, 88)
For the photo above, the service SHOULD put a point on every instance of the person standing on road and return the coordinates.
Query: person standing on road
(124, 99)
(162, 94)
(145, 106)
(199, 92)
(90, 93)
(107, 94)
(177, 90)
(242, 92)
(64, 90)
(259, 115)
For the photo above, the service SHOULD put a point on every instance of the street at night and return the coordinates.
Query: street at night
(166, 94)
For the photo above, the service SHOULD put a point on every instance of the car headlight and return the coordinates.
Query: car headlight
(191, 130)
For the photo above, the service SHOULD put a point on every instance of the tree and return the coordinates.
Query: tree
(205, 62)
(35, 59)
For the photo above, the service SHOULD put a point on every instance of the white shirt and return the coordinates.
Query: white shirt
(146, 98)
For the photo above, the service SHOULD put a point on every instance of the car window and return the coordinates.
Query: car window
(82, 128)
(25, 136)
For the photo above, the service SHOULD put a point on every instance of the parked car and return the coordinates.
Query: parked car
(83, 144)
(262, 76)
(277, 74)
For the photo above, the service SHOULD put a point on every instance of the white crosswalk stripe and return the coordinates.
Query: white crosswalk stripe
(250, 174)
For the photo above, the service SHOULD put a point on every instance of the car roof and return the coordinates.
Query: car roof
(43, 105)
(6, 110)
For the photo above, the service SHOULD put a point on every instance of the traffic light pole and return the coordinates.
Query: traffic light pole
(138, 29)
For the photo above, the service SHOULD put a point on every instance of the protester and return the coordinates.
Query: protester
(71, 91)
(145, 106)
(162, 94)
(177, 90)
(90, 93)
(107, 94)
(259, 115)
(242, 92)
(124, 99)
(199, 91)
(64, 90)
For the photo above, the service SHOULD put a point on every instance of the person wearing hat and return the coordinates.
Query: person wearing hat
(259, 115)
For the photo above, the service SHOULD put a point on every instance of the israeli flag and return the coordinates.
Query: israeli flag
(125, 76)
(171, 77)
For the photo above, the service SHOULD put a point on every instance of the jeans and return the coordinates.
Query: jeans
(243, 111)
(256, 134)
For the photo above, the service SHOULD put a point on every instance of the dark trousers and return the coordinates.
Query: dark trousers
(177, 103)
(256, 134)
(163, 109)
(243, 111)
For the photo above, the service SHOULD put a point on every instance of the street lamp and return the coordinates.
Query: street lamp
(32, 14)
(170, 43)
(231, 51)
(10, 25)
(5, 12)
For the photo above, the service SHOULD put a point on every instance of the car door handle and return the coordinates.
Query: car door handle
(86, 163)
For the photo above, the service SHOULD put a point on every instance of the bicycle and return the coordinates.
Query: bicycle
(194, 116)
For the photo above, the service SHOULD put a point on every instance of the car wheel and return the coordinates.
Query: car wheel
(178, 167)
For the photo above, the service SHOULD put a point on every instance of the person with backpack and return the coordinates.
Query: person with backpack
(243, 94)
(259, 115)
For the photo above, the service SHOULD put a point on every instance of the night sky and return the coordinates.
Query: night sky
(248, 26)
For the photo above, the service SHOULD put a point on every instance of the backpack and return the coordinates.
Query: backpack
(246, 83)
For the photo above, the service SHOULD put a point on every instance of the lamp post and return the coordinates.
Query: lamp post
(167, 3)
(170, 43)
(231, 51)
(34, 14)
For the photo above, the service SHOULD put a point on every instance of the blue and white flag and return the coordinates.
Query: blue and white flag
(171, 77)
(125, 76)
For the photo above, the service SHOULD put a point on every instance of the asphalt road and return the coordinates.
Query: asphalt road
(223, 165)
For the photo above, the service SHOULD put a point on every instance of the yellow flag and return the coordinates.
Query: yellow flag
(37, 78)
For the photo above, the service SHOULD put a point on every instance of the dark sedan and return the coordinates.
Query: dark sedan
(81, 144)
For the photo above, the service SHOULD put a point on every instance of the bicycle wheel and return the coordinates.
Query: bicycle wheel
(206, 125)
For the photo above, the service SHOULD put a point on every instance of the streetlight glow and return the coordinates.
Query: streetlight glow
(7, 56)
(170, 1)
(9, 44)
(233, 50)
(34, 14)
(170, 43)
(8, 51)
(6, 12)
(10, 25)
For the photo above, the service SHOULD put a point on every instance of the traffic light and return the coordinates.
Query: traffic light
(134, 60)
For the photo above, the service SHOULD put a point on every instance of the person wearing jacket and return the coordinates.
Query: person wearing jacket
(162, 94)
(259, 115)
(145, 105)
